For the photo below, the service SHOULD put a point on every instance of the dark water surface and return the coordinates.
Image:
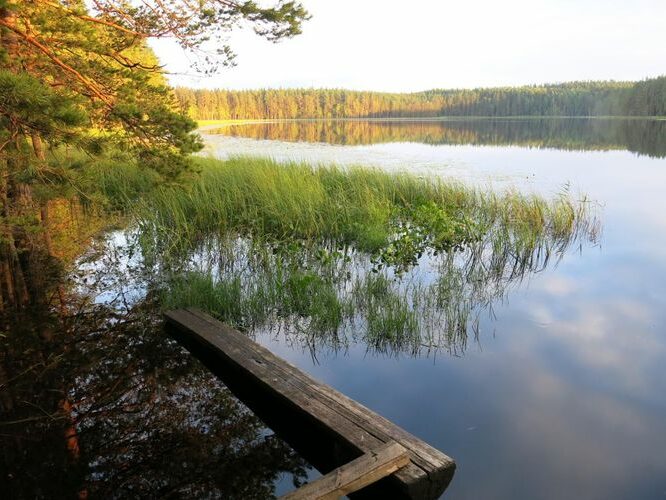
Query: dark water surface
(97, 402)
(562, 393)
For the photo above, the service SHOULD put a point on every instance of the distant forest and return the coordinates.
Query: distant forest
(644, 98)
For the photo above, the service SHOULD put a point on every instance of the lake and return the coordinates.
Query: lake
(559, 390)
(542, 377)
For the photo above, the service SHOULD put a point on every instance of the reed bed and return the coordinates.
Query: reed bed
(398, 262)
(360, 207)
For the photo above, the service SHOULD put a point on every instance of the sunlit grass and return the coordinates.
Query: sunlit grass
(109, 182)
(324, 250)
(360, 207)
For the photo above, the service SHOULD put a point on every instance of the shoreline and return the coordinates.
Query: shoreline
(209, 124)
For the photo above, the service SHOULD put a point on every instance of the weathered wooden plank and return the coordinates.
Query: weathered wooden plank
(328, 428)
(354, 475)
(383, 429)
(289, 387)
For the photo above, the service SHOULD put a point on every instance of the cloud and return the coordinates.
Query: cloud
(393, 46)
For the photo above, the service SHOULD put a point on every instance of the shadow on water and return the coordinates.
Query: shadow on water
(95, 401)
(644, 137)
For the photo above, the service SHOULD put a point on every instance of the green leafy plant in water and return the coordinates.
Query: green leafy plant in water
(427, 227)
(443, 229)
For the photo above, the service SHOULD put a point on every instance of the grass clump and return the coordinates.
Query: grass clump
(402, 262)
(394, 323)
(394, 216)
(274, 289)
(390, 319)
(197, 289)
(261, 198)
(309, 295)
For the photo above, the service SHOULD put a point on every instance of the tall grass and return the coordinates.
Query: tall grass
(108, 181)
(401, 262)
(355, 206)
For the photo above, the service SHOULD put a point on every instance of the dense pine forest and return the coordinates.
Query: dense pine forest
(644, 98)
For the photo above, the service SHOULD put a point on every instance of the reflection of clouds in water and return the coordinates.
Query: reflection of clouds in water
(558, 285)
(613, 336)
(570, 410)
(574, 439)
(610, 339)
(566, 400)
(578, 405)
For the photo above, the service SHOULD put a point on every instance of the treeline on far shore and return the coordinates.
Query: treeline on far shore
(606, 98)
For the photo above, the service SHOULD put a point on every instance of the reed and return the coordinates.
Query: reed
(360, 207)
(398, 262)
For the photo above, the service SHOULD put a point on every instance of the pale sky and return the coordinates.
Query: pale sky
(390, 45)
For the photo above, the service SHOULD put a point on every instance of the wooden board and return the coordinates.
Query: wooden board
(355, 475)
(326, 427)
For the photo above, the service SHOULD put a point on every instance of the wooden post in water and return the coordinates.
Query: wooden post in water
(326, 427)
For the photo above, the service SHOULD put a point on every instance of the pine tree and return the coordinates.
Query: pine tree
(86, 78)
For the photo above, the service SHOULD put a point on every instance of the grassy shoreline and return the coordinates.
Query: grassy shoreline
(359, 206)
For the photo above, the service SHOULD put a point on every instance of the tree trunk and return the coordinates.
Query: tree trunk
(38, 146)
(60, 289)
(22, 250)
(13, 281)
(24, 254)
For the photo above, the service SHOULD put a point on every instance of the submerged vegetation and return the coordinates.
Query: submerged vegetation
(399, 262)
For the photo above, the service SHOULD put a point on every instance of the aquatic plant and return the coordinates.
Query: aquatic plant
(400, 263)
(361, 207)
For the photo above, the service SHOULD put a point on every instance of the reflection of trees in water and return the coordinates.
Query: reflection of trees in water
(102, 403)
(96, 400)
(36, 239)
(640, 136)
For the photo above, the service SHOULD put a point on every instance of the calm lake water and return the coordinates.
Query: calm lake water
(561, 395)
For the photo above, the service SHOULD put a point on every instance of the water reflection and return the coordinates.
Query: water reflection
(645, 137)
(566, 387)
(562, 396)
(97, 402)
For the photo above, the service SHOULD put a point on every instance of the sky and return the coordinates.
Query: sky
(405, 46)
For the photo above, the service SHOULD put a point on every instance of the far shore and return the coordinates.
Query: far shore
(209, 124)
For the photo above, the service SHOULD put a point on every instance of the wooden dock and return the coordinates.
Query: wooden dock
(326, 427)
